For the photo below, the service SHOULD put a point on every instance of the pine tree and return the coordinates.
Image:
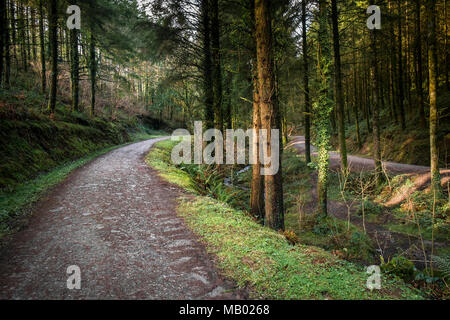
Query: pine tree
(274, 209)
(322, 106)
(338, 85)
(53, 39)
(434, 116)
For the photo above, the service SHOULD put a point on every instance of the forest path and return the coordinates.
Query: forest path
(388, 242)
(114, 218)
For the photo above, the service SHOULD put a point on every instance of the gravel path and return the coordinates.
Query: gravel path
(115, 219)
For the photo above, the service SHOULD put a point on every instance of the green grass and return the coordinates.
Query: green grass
(261, 259)
(159, 158)
(15, 202)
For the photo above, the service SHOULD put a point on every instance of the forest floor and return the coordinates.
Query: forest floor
(116, 220)
(388, 242)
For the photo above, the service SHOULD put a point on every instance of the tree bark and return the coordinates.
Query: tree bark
(217, 73)
(74, 66)
(274, 210)
(434, 118)
(376, 105)
(419, 66)
(257, 185)
(7, 49)
(338, 86)
(53, 36)
(322, 107)
(93, 70)
(13, 31)
(2, 37)
(33, 33)
(307, 114)
(207, 65)
(42, 47)
(401, 93)
(355, 92)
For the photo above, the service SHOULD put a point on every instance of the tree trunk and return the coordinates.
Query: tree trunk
(257, 187)
(42, 48)
(93, 71)
(393, 67)
(33, 33)
(53, 36)
(13, 31)
(227, 116)
(432, 68)
(2, 37)
(322, 107)
(74, 66)
(207, 65)
(274, 211)
(307, 113)
(401, 94)
(7, 49)
(27, 32)
(376, 105)
(419, 66)
(355, 92)
(447, 52)
(217, 73)
(21, 25)
(338, 86)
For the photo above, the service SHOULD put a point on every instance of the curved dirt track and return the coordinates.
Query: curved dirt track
(420, 175)
(356, 163)
(116, 220)
(388, 242)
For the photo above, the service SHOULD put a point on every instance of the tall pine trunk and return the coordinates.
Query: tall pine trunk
(338, 85)
(2, 37)
(401, 91)
(53, 39)
(274, 210)
(355, 92)
(7, 49)
(75, 77)
(42, 47)
(307, 113)
(92, 70)
(375, 79)
(33, 33)
(322, 107)
(432, 69)
(12, 15)
(207, 64)
(217, 73)
(257, 184)
(419, 66)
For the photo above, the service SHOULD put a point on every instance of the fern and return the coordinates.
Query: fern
(443, 264)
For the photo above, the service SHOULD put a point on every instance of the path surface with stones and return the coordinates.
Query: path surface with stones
(116, 220)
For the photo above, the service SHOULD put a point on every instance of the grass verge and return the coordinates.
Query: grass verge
(261, 259)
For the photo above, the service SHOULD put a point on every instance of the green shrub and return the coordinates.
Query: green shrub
(399, 266)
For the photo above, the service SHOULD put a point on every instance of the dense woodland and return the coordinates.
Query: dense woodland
(307, 67)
